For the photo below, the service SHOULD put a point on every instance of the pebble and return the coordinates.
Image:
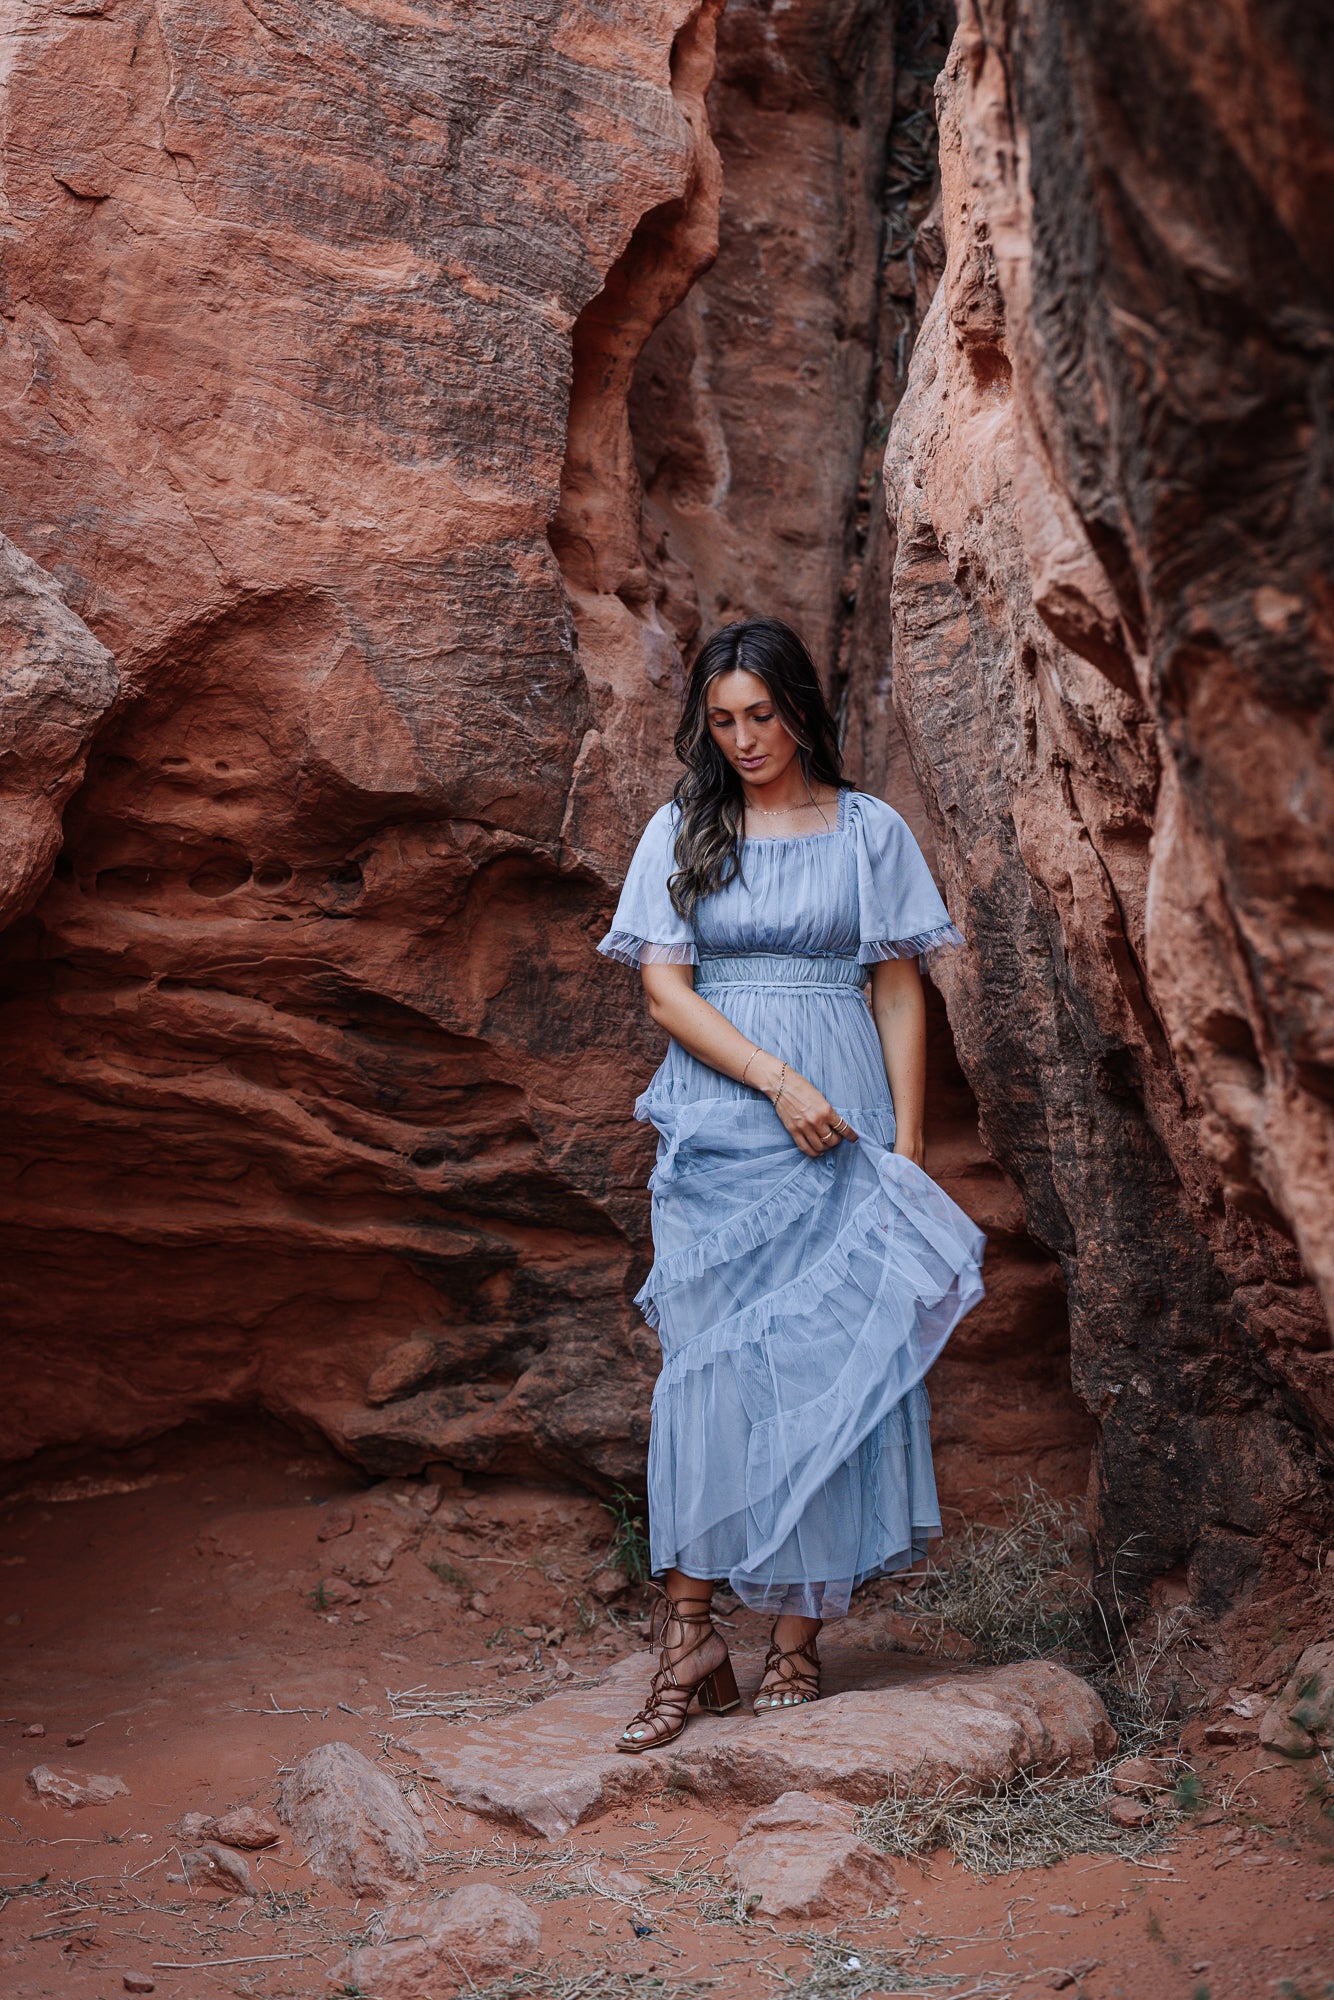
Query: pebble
(73, 1742)
(35, 1729)
(138, 1982)
(245, 1826)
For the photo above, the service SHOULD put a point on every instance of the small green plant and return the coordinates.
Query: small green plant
(1188, 1792)
(629, 1539)
(586, 1616)
(450, 1573)
(319, 1597)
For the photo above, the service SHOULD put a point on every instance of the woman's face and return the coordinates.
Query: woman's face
(745, 725)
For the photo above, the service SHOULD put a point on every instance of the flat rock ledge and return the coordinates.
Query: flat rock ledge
(889, 1722)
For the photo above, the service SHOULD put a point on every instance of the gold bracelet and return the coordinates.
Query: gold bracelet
(749, 1060)
(779, 1092)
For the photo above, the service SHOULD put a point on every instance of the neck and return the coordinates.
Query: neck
(786, 793)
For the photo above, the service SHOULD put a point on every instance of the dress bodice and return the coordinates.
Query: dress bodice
(860, 892)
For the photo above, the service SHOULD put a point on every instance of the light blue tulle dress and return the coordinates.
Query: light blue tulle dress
(799, 1302)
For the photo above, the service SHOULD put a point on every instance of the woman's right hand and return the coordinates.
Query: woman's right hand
(810, 1118)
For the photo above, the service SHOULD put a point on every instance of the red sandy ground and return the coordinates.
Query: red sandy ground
(173, 1627)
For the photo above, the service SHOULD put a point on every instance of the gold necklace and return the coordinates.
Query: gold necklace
(780, 812)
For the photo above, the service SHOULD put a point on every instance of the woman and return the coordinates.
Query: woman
(806, 1271)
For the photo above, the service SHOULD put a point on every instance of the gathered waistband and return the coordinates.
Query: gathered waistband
(845, 975)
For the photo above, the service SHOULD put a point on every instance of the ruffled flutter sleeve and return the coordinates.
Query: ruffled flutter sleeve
(901, 911)
(647, 929)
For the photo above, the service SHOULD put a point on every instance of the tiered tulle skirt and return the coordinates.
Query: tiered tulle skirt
(800, 1304)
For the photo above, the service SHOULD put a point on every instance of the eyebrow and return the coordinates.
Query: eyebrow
(717, 707)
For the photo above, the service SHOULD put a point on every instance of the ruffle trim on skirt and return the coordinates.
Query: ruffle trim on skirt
(904, 1205)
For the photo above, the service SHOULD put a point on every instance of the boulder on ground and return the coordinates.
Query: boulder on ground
(801, 1857)
(215, 1867)
(478, 1933)
(244, 1826)
(351, 1821)
(923, 1726)
(1300, 1720)
(63, 1787)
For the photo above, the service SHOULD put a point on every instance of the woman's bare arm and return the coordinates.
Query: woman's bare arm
(899, 1008)
(708, 1035)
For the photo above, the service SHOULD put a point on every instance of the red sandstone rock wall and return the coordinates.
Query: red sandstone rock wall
(304, 1050)
(1109, 486)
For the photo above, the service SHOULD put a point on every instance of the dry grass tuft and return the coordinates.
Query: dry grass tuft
(1017, 1591)
(1022, 1591)
(1026, 1822)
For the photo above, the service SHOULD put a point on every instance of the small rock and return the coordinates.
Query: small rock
(478, 1933)
(478, 1603)
(801, 1858)
(352, 1822)
(194, 1827)
(1230, 1730)
(245, 1826)
(214, 1867)
(1129, 1813)
(1142, 1776)
(403, 1369)
(35, 1729)
(609, 1584)
(72, 1789)
(76, 1741)
(1063, 1909)
(366, 1560)
(562, 1669)
(1300, 1720)
(138, 1982)
(334, 1522)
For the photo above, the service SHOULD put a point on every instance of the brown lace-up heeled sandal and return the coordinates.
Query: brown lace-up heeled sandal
(705, 1670)
(791, 1679)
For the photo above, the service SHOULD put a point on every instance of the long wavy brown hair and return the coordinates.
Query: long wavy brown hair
(708, 793)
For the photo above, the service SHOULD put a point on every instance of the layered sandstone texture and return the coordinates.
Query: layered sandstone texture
(1109, 489)
(306, 1057)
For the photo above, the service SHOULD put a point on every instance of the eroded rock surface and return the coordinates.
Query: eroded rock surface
(350, 1822)
(56, 684)
(802, 1857)
(306, 1054)
(478, 1933)
(1109, 596)
(902, 1723)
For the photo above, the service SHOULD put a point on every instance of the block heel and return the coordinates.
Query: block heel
(718, 1692)
(674, 1686)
